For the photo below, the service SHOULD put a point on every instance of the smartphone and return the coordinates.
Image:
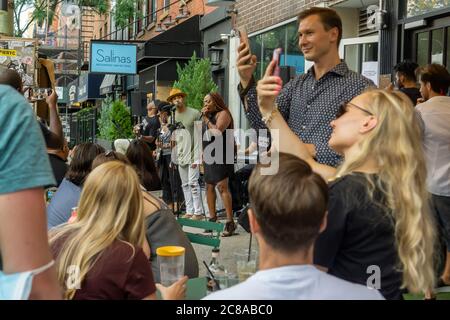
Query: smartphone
(243, 35)
(276, 56)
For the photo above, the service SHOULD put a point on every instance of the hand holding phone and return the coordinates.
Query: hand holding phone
(276, 57)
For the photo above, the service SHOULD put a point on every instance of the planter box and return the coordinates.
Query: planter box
(108, 145)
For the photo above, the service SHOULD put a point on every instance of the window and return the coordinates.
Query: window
(106, 29)
(101, 33)
(130, 29)
(423, 43)
(166, 5)
(433, 46)
(262, 45)
(437, 46)
(151, 11)
(139, 18)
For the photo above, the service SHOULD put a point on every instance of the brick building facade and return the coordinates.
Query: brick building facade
(261, 14)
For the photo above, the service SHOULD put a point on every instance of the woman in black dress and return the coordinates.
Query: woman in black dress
(218, 155)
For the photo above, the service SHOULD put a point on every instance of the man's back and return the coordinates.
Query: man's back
(296, 282)
(435, 114)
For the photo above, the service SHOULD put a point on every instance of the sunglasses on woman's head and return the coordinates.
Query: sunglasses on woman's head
(344, 106)
(111, 154)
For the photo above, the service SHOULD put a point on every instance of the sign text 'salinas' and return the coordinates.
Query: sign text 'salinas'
(110, 56)
(113, 58)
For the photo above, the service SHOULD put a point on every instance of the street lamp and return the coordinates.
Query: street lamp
(215, 55)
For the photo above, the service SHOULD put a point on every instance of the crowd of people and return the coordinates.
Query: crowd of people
(358, 208)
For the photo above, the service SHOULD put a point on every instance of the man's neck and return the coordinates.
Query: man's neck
(435, 94)
(410, 84)
(270, 258)
(150, 115)
(326, 63)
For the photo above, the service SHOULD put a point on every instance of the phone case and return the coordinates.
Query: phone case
(276, 56)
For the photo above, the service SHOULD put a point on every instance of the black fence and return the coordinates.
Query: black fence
(83, 126)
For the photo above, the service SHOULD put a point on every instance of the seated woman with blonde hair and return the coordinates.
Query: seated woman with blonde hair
(99, 255)
(162, 229)
(380, 231)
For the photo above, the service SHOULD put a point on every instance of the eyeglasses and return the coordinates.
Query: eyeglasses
(343, 109)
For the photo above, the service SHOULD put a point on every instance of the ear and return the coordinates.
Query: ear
(324, 223)
(428, 86)
(368, 124)
(334, 34)
(254, 226)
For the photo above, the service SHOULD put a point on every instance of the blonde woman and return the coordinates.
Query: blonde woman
(99, 256)
(380, 232)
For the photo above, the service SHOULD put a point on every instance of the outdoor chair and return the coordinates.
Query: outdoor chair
(211, 239)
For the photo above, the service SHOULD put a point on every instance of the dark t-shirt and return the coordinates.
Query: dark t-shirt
(359, 235)
(122, 272)
(412, 93)
(59, 168)
(150, 126)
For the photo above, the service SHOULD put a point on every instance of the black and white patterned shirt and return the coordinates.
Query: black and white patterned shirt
(309, 105)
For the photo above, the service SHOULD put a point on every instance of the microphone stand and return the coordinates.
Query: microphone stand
(172, 169)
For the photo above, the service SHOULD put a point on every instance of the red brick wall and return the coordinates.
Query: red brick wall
(260, 14)
(195, 7)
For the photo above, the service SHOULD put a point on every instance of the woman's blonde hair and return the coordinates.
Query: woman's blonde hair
(110, 209)
(396, 146)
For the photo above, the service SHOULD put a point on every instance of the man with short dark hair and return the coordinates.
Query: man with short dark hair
(286, 225)
(148, 129)
(405, 78)
(310, 101)
(435, 113)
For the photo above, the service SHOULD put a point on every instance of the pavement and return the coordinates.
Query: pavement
(228, 247)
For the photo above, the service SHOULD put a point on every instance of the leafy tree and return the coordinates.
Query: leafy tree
(115, 120)
(40, 9)
(195, 80)
(418, 7)
(126, 9)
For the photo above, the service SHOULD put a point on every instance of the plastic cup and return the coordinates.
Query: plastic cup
(222, 279)
(245, 264)
(232, 279)
(171, 264)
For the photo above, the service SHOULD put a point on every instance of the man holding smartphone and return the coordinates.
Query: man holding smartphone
(310, 101)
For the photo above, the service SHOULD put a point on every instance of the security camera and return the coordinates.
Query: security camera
(224, 37)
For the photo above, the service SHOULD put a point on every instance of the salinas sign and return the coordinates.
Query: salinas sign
(113, 58)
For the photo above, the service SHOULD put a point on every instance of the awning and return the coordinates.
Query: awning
(107, 85)
(88, 86)
(177, 43)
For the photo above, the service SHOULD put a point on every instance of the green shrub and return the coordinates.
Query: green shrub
(114, 121)
(195, 80)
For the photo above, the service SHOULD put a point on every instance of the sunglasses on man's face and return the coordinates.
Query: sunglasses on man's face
(344, 106)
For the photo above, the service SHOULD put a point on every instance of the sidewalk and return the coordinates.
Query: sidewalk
(228, 246)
